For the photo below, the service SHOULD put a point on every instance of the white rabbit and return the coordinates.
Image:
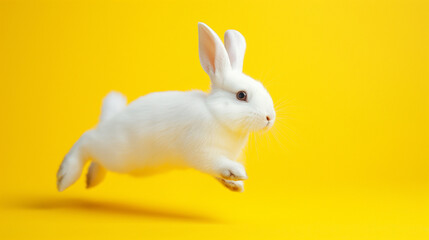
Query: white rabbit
(164, 130)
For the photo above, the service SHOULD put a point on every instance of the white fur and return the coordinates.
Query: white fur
(164, 130)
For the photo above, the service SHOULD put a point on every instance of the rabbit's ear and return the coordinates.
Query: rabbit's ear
(236, 47)
(213, 56)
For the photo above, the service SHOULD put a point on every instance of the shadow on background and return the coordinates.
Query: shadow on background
(110, 208)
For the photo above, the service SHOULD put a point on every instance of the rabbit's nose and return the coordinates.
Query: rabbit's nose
(268, 118)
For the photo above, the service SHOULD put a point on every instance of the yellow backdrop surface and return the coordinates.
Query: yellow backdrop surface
(348, 157)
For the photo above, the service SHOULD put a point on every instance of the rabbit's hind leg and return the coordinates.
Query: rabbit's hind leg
(95, 175)
(72, 165)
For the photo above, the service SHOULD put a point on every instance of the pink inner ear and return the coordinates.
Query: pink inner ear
(213, 55)
(210, 51)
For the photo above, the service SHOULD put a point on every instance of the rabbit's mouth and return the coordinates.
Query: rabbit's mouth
(268, 126)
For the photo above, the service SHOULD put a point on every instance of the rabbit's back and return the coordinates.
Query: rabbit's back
(155, 130)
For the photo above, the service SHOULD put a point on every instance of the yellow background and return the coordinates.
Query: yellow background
(347, 159)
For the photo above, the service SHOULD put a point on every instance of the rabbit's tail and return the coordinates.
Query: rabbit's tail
(113, 103)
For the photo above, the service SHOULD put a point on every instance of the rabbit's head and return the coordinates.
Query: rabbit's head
(236, 100)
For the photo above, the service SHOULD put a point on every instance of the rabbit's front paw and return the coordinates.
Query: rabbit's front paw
(235, 186)
(234, 172)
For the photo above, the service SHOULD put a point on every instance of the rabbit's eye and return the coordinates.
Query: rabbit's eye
(242, 95)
